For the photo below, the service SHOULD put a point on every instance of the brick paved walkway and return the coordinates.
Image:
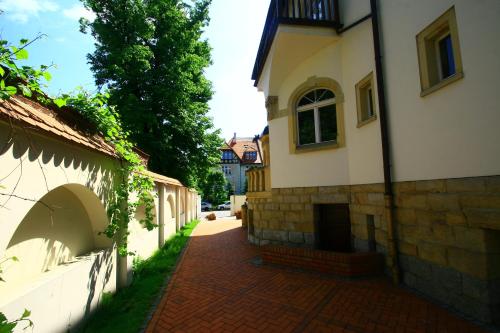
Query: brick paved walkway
(217, 287)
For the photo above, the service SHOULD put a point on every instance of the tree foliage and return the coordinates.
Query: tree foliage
(151, 57)
(214, 187)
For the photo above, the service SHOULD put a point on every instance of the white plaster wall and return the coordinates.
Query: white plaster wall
(32, 172)
(57, 278)
(452, 132)
(46, 239)
(236, 202)
(360, 161)
(79, 184)
(353, 10)
(141, 241)
(60, 299)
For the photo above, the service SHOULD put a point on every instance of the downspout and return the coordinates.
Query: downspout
(392, 250)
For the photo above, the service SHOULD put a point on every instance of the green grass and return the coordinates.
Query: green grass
(126, 310)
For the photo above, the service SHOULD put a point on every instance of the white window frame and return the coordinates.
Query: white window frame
(317, 123)
(438, 54)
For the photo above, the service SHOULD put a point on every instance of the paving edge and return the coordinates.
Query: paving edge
(162, 293)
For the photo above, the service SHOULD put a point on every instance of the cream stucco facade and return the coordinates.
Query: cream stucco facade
(437, 221)
(54, 196)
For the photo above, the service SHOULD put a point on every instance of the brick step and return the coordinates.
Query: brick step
(351, 265)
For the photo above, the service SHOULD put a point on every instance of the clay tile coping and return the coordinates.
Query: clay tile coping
(65, 124)
(163, 179)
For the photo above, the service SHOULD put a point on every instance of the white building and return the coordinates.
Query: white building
(383, 136)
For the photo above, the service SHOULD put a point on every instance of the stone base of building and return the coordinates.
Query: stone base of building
(447, 230)
(350, 265)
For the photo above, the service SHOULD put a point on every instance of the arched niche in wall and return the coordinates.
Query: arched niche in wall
(170, 208)
(140, 214)
(63, 225)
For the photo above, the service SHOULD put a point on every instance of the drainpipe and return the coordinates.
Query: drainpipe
(392, 250)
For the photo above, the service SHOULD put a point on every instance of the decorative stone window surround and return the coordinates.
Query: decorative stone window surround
(315, 83)
(428, 64)
(367, 81)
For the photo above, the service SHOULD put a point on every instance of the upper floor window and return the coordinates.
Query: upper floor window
(250, 155)
(226, 170)
(227, 155)
(365, 100)
(439, 53)
(316, 117)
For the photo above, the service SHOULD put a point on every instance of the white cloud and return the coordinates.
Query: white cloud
(22, 10)
(78, 11)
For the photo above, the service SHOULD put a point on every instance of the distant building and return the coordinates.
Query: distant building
(239, 155)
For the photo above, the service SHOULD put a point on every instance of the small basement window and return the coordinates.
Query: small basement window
(439, 53)
(365, 100)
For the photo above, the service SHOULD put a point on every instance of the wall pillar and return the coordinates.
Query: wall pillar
(122, 272)
(177, 208)
(188, 206)
(161, 215)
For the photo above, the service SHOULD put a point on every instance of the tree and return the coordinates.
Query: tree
(214, 187)
(229, 189)
(151, 57)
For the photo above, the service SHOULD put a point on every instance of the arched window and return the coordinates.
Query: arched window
(316, 117)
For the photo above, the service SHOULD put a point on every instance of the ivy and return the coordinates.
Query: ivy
(96, 109)
(28, 81)
(7, 326)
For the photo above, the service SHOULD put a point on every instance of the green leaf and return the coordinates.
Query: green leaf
(22, 54)
(7, 327)
(47, 76)
(15, 258)
(23, 41)
(26, 91)
(3, 319)
(11, 90)
(2, 71)
(2, 85)
(26, 314)
(60, 102)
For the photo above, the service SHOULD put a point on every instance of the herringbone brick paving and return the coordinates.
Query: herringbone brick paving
(217, 287)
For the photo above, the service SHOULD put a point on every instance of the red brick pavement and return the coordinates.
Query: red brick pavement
(217, 287)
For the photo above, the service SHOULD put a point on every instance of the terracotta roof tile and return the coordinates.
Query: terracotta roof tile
(242, 145)
(40, 117)
(163, 179)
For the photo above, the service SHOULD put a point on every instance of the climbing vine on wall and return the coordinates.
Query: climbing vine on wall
(30, 81)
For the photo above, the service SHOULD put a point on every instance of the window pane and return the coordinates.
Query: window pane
(307, 99)
(370, 102)
(328, 122)
(306, 127)
(325, 94)
(446, 57)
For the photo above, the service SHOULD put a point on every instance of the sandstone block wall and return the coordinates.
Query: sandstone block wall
(448, 233)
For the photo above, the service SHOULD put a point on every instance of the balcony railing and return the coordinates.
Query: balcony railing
(295, 12)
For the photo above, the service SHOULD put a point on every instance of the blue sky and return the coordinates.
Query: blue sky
(234, 34)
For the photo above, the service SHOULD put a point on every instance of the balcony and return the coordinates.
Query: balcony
(311, 13)
(259, 182)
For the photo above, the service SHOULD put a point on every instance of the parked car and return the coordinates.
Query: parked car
(206, 206)
(225, 206)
